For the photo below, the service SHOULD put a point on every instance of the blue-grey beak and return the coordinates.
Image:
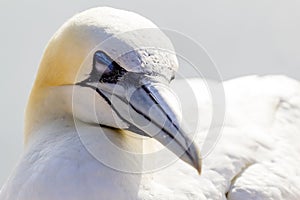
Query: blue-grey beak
(149, 113)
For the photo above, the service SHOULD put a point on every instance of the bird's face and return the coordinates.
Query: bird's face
(122, 89)
(141, 102)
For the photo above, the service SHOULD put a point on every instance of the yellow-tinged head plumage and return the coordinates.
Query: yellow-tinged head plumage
(80, 36)
(96, 52)
(67, 58)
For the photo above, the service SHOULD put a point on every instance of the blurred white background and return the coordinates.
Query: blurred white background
(242, 37)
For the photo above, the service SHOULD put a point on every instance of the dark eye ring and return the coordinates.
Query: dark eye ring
(101, 57)
(113, 70)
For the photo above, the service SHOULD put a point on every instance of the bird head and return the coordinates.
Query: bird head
(120, 66)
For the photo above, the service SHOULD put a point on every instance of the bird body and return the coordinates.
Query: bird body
(60, 167)
(75, 128)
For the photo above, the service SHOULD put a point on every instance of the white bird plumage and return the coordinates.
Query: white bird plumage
(257, 156)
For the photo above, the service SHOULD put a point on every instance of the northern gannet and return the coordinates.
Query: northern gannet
(257, 157)
(99, 78)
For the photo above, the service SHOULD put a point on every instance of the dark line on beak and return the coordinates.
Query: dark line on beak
(146, 89)
(83, 84)
(156, 102)
(149, 119)
(133, 127)
(186, 149)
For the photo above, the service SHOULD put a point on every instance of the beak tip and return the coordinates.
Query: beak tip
(197, 159)
(199, 168)
(198, 164)
(194, 158)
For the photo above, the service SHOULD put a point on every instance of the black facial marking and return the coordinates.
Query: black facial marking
(111, 74)
(131, 126)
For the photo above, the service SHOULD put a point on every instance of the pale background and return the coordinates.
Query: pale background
(242, 37)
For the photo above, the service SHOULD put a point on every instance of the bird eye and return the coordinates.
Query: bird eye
(108, 69)
(100, 59)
